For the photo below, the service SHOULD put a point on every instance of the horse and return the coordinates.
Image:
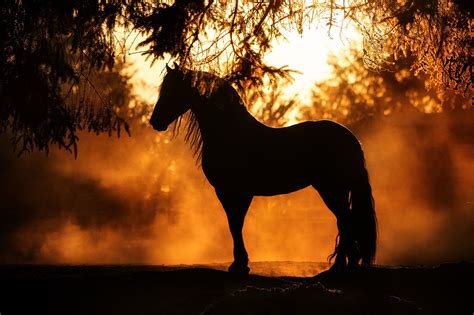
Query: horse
(242, 158)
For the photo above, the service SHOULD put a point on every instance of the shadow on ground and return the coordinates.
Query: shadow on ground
(446, 289)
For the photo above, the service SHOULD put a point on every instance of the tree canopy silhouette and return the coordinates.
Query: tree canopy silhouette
(354, 93)
(49, 48)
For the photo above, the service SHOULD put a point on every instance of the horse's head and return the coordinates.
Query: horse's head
(174, 100)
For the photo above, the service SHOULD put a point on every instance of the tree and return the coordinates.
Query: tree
(51, 47)
(232, 37)
(49, 53)
(436, 34)
(354, 93)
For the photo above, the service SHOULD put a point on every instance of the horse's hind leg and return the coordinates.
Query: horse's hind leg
(337, 200)
(236, 205)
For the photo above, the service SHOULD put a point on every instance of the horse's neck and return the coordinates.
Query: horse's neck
(220, 112)
(218, 122)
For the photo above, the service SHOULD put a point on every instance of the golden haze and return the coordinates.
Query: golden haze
(144, 200)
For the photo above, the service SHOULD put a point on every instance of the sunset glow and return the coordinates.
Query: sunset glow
(145, 199)
(274, 229)
(236, 157)
(307, 54)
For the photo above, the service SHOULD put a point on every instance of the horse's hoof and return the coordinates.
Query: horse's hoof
(239, 269)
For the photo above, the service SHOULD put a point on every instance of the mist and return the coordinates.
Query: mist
(144, 200)
(421, 167)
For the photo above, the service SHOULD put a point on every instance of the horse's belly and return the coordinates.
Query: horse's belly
(259, 181)
(278, 188)
(278, 183)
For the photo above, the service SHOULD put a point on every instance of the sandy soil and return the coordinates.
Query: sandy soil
(445, 289)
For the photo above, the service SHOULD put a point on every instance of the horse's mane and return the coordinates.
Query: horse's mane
(218, 91)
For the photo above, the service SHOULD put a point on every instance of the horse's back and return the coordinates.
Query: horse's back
(319, 137)
(326, 130)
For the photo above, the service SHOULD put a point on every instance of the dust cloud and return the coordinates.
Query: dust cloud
(144, 200)
(422, 168)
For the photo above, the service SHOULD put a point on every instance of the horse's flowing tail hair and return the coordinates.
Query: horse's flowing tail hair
(363, 215)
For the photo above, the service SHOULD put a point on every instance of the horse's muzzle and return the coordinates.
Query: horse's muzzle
(158, 127)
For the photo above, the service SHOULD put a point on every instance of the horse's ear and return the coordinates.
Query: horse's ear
(168, 68)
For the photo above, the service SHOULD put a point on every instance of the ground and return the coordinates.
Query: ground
(33, 289)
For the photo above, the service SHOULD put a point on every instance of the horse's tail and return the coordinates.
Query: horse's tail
(363, 212)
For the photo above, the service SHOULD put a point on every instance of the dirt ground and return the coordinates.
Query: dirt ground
(34, 289)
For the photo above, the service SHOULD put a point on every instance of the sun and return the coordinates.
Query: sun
(308, 54)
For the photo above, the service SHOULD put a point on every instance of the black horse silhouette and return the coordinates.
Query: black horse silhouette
(242, 158)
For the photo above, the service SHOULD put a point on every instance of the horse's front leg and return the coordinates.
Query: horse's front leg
(236, 205)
